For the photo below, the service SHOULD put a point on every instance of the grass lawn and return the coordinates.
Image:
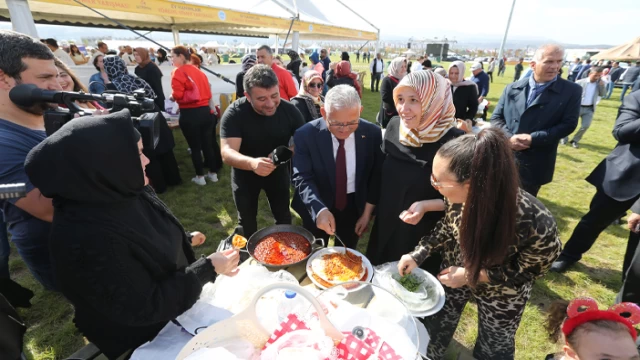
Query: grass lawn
(210, 209)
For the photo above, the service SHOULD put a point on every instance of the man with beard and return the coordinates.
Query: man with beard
(24, 60)
(251, 128)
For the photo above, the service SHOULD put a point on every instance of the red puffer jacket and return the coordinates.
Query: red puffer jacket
(180, 83)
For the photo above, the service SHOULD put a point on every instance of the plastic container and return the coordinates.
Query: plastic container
(290, 303)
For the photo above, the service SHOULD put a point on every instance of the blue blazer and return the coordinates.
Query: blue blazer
(314, 168)
(551, 117)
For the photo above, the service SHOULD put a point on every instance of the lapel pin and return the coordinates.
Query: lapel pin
(363, 136)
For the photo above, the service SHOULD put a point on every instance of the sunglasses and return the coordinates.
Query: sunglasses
(438, 185)
(316, 85)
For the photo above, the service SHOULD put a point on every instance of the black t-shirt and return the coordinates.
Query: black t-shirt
(260, 134)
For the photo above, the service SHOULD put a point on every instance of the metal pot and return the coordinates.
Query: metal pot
(264, 232)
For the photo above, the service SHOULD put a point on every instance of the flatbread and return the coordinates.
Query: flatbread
(334, 267)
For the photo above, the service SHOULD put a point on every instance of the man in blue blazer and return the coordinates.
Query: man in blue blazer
(535, 113)
(336, 169)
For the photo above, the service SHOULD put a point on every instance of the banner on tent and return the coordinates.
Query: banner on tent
(216, 15)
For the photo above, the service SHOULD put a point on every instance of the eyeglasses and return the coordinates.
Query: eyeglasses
(438, 185)
(316, 85)
(334, 125)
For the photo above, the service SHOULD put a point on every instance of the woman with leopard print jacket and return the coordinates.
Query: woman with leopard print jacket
(495, 240)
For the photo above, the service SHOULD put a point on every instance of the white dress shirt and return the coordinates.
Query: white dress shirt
(379, 65)
(350, 157)
(64, 57)
(589, 93)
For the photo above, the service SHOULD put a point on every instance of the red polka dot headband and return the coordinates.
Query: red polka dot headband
(584, 310)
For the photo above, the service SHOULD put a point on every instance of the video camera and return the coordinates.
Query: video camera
(143, 111)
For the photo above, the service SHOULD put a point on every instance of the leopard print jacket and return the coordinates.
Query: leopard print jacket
(538, 244)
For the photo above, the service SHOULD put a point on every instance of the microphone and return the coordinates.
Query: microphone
(28, 94)
(281, 155)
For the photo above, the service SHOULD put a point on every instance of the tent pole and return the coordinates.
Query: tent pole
(21, 18)
(295, 41)
(378, 43)
(287, 38)
(176, 35)
(506, 31)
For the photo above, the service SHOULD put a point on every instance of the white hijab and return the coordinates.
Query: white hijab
(461, 69)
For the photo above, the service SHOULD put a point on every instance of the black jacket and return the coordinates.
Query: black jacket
(333, 81)
(551, 117)
(153, 76)
(387, 105)
(465, 99)
(616, 73)
(303, 106)
(618, 175)
(118, 254)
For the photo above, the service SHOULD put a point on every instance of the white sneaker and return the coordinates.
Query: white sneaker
(199, 180)
(189, 151)
(212, 176)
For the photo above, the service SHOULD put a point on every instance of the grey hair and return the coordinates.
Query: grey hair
(547, 49)
(341, 97)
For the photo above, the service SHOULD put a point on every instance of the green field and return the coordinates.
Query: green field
(210, 209)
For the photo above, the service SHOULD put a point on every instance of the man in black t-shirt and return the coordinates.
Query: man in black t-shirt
(251, 128)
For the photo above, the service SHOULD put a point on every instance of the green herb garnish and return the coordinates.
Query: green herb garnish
(410, 282)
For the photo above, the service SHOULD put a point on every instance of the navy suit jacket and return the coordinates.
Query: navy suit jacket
(314, 168)
(551, 117)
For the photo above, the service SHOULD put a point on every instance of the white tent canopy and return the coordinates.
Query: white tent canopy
(260, 18)
(314, 47)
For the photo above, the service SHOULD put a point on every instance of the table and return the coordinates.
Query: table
(172, 338)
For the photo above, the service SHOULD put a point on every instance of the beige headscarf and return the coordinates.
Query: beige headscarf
(461, 80)
(396, 66)
(438, 112)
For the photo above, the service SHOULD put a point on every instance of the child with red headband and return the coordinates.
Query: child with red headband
(593, 334)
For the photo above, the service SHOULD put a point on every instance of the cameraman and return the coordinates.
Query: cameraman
(25, 60)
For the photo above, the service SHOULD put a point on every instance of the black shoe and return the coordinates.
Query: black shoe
(17, 295)
(561, 265)
(574, 144)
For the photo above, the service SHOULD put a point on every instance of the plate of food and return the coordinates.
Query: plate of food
(336, 265)
(420, 291)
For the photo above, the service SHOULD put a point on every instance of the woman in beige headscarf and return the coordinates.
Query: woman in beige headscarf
(397, 70)
(465, 95)
(309, 100)
(409, 207)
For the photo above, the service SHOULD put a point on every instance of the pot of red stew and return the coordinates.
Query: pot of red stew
(282, 245)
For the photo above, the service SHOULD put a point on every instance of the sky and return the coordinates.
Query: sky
(584, 22)
(564, 21)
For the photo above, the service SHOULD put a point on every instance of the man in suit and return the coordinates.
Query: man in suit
(377, 69)
(630, 291)
(614, 75)
(617, 182)
(336, 169)
(584, 70)
(535, 113)
(592, 87)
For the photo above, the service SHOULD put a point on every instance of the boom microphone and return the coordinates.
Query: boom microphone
(28, 94)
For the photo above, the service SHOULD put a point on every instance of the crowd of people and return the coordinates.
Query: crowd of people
(457, 203)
